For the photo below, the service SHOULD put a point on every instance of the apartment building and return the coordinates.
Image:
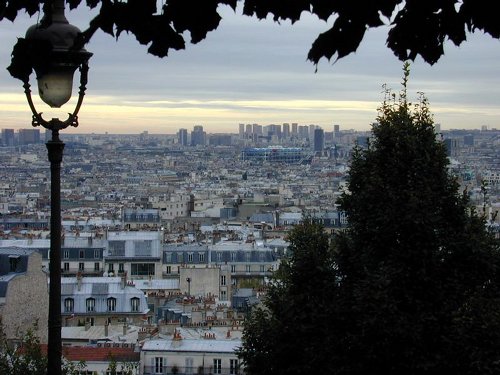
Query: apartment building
(102, 300)
(22, 282)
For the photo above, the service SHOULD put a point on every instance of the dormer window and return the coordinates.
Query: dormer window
(90, 304)
(135, 304)
(111, 303)
(69, 304)
(13, 262)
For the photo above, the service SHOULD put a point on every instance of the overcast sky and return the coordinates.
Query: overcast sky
(250, 71)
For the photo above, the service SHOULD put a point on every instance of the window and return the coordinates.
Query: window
(143, 248)
(13, 260)
(262, 268)
(168, 270)
(135, 304)
(190, 257)
(142, 269)
(233, 366)
(111, 304)
(168, 257)
(189, 366)
(116, 248)
(248, 257)
(69, 305)
(233, 268)
(97, 254)
(158, 365)
(66, 254)
(217, 366)
(111, 268)
(201, 257)
(81, 254)
(233, 257)
(247, 268)
(90, 304)
(121, 268)
(96, 266)
(66, 266)
(223, 280)
(81, 266)
(219, 257)
(223, 295)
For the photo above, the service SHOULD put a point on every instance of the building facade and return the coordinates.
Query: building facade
(23, 284)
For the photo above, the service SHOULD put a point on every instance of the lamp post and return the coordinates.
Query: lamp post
(51, 49)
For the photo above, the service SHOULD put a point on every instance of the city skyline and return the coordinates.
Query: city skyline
(251, 71)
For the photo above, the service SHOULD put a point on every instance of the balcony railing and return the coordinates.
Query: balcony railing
(74, 271)
(172, 370)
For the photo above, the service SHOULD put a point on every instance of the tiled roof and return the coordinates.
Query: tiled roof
(103, 354)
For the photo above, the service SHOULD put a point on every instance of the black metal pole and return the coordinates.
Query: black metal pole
(55, 149)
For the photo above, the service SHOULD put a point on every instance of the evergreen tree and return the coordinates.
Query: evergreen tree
(418, 270)
(412, 287)
(285, 336)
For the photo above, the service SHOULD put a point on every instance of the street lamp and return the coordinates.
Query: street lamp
(51, 48)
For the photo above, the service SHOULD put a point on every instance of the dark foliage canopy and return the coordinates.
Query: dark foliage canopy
(411, 287)
(416, 27)
(285, 337)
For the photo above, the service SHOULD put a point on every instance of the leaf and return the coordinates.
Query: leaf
(342, 39)
(481, 14)
(197, 20)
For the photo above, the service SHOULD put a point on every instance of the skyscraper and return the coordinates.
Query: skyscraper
(304, 132)
(248, 130)
(183, 137)
(286, 130)
(319, 140)
(8, 137)
(198, 136)
(29, 136)
(312, 127)
(257, 129)
(241, 131)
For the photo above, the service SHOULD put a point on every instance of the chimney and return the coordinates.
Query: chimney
(124, 280)
(79, 280)
(177, 335)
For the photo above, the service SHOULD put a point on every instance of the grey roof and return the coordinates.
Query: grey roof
(115, 333)
(157, 284)
(67, 289)
(7, 253)
(261, 217)
(244, 292)
(193, 345)
(100, 289)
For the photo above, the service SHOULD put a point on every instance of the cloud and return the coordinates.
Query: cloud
(256, 72)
